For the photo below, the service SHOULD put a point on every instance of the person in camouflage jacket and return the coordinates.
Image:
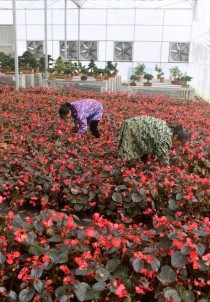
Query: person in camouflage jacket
(143, 135)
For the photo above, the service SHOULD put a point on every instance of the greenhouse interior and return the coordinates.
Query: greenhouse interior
(105, 150)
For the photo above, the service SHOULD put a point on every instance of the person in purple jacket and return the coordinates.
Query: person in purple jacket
(85, 112)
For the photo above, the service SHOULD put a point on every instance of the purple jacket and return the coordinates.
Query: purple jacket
(87, 110)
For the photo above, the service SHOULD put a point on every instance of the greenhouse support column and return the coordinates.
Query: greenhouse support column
(15, 45)
(78, 33)
(65, 29)
(45, 31)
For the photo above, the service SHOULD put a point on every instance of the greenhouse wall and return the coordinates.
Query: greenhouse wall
(150, 31)
(200, 49)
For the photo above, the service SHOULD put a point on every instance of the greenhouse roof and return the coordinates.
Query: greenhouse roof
(144, 4)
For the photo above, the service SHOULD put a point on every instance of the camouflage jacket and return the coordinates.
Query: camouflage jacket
(143, 135)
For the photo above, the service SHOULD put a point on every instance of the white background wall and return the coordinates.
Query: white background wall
(150, 30)
(200, 49)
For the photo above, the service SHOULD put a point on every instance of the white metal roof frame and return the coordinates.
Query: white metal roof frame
(82, 4)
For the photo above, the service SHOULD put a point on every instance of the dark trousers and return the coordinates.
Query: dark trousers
(144, 158)
(94, 128)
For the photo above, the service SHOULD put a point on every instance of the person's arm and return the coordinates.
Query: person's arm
(82, 125)
(162, 154)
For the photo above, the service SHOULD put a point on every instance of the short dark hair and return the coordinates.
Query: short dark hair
(64, 110)
(182, 135)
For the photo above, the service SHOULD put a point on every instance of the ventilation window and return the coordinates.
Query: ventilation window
(179, 52)
(88, 50)
(71, 49)
(123, 51)
(36, 48)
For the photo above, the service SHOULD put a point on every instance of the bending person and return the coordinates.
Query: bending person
(143, 135)
(84, 112)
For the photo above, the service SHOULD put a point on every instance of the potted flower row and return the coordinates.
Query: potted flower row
(63, 68)
(146, 76)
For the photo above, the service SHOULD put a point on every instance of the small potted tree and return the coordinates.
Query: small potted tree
(133, 79)
(185, 79)
(68, 70)
(99, 73)
(148, 77)
(28, 62)
(139, 72)
(84, 73)
(176, 74)
(112, 67)
(160, 73)
(91, 67)
(51, 71)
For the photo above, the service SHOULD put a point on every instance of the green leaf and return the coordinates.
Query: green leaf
(36, 272)
(137, 265)
(178, 260)
(2, 258)
(80, 289)
(172, 204)
(55, 238)
(200, 249)
(102, 274)
(61, 258)
(117, 197)
(113, 264)
(36, 250)
(179, 196)
(38, 285)
(136, 197)
(172, 294)
(167, 275)
(155, 264)
(99, 286)
(121, 271)
(188, 296)
(92, 295)
(60, 291)
(78, 207)
(12, 295)
(26, 295)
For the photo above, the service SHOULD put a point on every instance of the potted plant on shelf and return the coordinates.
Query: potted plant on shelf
(41, 63)
(148, 77)
(176, 74)
(7, 63)
(160, 73)
(28, 62)
(51, 71)
(133, 79)
(112, 67)
(91, 67)
(185, 79)
(99, 73)
(84, 73)
(59, 68)
(68, 70)
(139, 72)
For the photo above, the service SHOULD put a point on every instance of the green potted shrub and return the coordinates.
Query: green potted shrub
(176, 74)
(41, 63)
(112, 67)
(185, 79)
(133, 79)
(7, 63)
(148, 77)
(28, 62)
(84, 73)
(139, 72)
(68, 70)
(99, 73)
(160, 73)
(91, 67)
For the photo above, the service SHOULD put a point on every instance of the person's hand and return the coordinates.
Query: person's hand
(76, 128)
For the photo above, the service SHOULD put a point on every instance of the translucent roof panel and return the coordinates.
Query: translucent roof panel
(144, 4)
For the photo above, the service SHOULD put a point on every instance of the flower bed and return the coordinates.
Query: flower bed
(150, 240)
